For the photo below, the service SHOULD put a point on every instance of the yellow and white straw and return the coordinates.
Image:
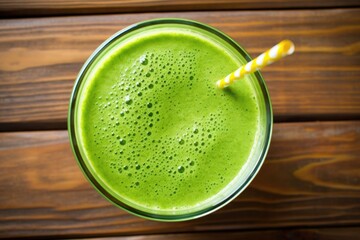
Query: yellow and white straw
(282, 49)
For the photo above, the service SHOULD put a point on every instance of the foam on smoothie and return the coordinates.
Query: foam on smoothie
(156, 130)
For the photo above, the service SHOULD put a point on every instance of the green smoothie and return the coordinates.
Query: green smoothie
(154, 130)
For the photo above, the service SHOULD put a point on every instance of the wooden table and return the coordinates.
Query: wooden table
(309, 186)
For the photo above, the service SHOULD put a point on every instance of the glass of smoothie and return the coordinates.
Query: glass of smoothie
(151, 131)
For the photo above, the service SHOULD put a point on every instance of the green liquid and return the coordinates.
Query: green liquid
(156, 131)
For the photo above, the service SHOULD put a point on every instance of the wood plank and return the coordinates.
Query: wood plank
(26, 8)
(40, 59)
(310, 178)
(294, 234)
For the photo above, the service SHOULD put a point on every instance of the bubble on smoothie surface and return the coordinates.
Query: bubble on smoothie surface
(143, 60)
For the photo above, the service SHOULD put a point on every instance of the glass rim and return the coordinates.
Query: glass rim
(74, 143)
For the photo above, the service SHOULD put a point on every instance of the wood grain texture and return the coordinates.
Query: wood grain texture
(310, 178)
(40, 59)
(284, 234)
(26, 8)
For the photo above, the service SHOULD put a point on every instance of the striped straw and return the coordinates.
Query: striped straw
(282, 49)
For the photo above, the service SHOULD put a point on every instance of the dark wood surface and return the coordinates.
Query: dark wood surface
(311, 177)
(21, 8)
(309, 186)
(291, 234)
(40, 59)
